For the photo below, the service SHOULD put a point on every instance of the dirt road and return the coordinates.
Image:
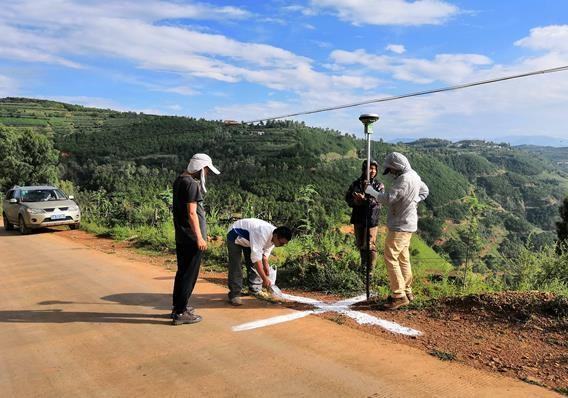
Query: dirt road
(78, 322)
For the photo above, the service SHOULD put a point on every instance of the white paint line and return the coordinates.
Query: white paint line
(341, 307)
(352, 301)
(271, 321)
(300, 299)
(366, 319)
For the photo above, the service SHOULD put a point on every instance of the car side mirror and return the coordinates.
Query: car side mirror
(71, 197)
(13, 200)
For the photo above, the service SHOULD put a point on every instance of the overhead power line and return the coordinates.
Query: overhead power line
(415, 94)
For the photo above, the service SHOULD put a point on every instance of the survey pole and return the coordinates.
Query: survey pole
(368, 119)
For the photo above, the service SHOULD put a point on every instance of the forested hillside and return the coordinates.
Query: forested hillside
(558, 156)
(487, 201)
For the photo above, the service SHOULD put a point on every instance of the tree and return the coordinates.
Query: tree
(472, 237)
(562, 225)
(26, 158)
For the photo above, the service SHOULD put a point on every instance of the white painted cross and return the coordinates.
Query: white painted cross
(341, 307)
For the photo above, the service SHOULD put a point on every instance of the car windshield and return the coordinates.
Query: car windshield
(42, 195)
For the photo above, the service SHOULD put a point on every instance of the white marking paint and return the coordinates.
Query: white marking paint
(341, 307)
(272, 321)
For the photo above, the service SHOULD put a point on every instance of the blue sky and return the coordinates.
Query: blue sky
(247, 60)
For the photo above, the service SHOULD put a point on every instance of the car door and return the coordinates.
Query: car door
(12, 208)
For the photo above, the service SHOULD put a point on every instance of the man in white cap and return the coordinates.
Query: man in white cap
(402, 199)
(190, 232)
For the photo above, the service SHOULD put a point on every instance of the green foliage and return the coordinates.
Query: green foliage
(120, 167)
(545, 269)
(442, 355)
(455, 211)
(445, 184)
(325, 264)
(431, 228)
(471, 235)
(518, 162)
(26, 158)
(470, 165)
(562, 225)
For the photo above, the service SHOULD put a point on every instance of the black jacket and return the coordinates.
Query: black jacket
(358, 212)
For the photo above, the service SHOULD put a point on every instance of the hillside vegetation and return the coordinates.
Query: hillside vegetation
(489, 203)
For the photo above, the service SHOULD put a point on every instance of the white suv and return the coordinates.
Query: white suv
(37, 207)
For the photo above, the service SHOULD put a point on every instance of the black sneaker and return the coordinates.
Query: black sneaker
(236, 301)
(189, 309)
(186, 317)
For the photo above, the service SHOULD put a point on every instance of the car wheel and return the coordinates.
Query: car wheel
(23, 229)
(74, 226)
(7, 225)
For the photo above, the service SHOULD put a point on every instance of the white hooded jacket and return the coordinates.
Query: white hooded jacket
(404, 195)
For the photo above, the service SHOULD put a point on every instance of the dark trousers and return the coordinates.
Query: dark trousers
(188, 263)
(236, 253)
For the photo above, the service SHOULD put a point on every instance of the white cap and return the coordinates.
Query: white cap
(199, 161)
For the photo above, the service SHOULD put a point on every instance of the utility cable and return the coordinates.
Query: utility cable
(415, 94)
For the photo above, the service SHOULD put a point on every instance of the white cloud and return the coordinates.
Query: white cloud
(251, 111)
(142, 34)
(103, 103)
(306, 11)
(72, 12)
(548, 38)
(533, 105)
(17, 44)
(396, 48)
(181, 90)
(130, 31)
(322, 44)
(175, 107)
(389, 12)
(361, 57)
(91, 102)
(8, 86)
(448, 68)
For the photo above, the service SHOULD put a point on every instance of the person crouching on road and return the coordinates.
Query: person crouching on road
(358, 201)
(190, 233)
(254, 239)
(402, 199)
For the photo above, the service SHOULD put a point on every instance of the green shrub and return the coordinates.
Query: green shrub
(327, 265)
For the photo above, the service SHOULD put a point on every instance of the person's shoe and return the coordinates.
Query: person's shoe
(189, 309)
(410, 296)
(262, 295)
(236, 301)
(394, 303)
(186, 318)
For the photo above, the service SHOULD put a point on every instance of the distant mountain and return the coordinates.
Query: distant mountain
(404, 140)
(514, 140)
(538, 140)
(557, 155)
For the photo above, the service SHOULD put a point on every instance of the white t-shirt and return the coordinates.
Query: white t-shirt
(253, 233)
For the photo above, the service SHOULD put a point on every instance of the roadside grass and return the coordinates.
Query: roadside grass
(442, 355)
(330, 263)
(153, 239)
